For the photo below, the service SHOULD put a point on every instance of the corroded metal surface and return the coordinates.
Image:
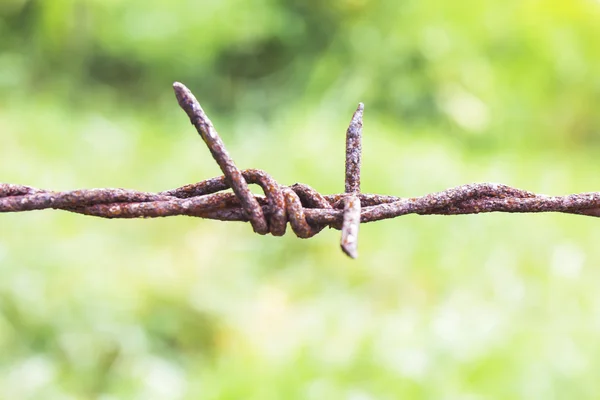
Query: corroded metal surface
(349, 241)
(306, 210)
(205, 128)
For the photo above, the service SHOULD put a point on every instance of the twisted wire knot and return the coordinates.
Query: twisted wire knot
(307, 211)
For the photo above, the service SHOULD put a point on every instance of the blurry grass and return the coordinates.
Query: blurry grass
(491, 306)
(487, 306)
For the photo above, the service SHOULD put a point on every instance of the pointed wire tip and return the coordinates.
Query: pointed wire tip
(350, 251)
(187, 101)
(359, 110)
(178, 87)
(350, 225)
(357, 116)
(181, 90)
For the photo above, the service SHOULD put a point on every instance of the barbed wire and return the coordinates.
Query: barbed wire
(306, 210)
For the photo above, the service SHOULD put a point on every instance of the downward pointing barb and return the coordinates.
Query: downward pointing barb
(306, 210)
(349, 241)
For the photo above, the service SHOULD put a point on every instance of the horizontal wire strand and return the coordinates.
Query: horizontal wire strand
(306, 210)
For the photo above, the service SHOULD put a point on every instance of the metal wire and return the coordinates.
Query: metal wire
(306, 210)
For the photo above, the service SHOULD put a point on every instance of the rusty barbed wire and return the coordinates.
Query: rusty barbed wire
(306, 210)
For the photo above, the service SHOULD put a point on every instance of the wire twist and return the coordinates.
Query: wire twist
(306, 210)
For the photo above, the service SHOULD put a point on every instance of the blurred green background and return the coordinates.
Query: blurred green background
(493, 306)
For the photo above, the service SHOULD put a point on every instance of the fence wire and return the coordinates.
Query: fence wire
(306, 210)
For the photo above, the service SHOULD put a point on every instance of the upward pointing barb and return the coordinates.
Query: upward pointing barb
(234, 177)
(250, 205)
(353, 150)
(352, 208)
(306, 210)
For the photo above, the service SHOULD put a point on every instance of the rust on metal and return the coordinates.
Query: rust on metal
(350, 226)
(351, 222)
(354, 150)
(205, 128)
(306, 210)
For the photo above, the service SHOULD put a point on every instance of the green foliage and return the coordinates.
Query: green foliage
(488, 306)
